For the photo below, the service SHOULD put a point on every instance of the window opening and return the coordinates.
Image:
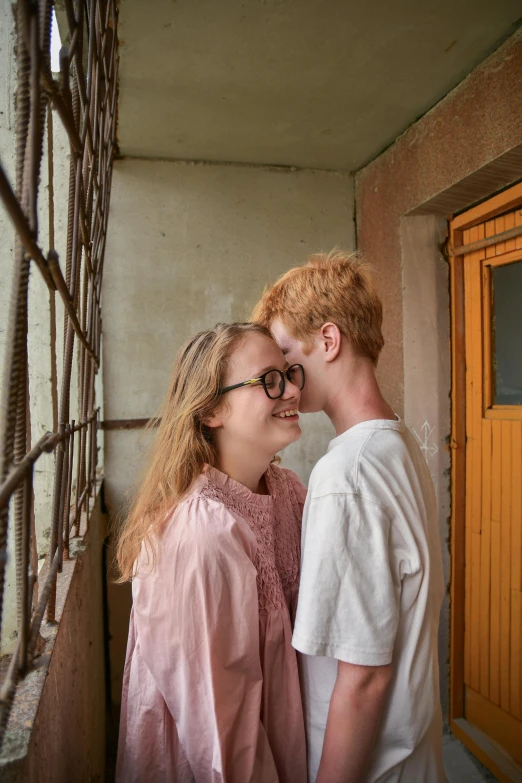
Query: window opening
(79, 104)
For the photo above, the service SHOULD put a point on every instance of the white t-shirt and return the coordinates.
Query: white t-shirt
(370, 594)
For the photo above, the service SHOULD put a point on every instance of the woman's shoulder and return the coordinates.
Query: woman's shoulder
(199, 537)
(202, 517)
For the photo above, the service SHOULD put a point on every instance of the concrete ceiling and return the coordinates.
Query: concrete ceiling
(314, 83)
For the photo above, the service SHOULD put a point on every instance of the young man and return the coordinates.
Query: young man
(371, 580)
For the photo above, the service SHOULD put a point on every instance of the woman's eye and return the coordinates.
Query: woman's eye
(271, 380)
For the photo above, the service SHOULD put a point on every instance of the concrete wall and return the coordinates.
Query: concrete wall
(190, 245)
(467, 147)
(57, 727)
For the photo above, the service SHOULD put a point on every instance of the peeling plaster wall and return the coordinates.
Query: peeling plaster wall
(190, 245)
(468, 146)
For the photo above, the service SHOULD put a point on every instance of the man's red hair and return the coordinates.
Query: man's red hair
(333, 287)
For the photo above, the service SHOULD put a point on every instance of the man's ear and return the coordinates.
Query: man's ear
(330, 339)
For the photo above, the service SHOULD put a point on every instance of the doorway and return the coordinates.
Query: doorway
(486, 442)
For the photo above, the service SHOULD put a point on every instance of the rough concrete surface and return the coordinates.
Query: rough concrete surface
(191, 245)
(56, 732)
(313, 84)
(427, 381)
(460, 765)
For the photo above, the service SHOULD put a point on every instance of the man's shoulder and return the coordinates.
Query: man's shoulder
(335, 472)
(358, 458)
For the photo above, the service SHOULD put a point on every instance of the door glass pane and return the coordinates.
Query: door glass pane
(507, 334)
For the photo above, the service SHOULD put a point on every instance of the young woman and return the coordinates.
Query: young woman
(211, 688)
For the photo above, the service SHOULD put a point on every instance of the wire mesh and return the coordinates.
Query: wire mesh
(84, 99)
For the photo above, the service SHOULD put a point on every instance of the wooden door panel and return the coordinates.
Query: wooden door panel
(486, 443)
(516, 575)
(493, 502)
(495, 722)
(485, 561)
(505, 567)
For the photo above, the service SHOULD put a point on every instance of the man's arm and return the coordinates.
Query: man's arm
(353, 718)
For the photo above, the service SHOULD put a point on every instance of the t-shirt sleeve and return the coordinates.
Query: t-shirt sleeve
(349, 594)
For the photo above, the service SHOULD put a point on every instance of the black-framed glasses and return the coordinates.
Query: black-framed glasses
(273, 381)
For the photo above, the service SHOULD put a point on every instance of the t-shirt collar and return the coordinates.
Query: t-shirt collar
(372, 424)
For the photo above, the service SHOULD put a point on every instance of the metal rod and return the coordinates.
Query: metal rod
(504, 236)
(37, 618)
(128, 424)
(46, 444)
(67, 510)
(63, 493)
(26, 543)
(61, 287)
(86, 106)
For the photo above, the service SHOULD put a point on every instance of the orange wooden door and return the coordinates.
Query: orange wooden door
(492, 278)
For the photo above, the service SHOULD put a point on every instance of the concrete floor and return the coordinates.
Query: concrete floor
(460, 765)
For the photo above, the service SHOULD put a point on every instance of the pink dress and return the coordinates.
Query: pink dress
(211, 686)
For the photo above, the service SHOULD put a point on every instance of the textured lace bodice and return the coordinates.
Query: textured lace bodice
(275, 519)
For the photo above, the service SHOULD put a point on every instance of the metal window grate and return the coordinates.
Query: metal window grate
(84, 99)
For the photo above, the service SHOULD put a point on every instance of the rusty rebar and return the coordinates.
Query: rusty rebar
(67, 509)
(84, 99)
(47, 444)
(23, 623)
(15, 327)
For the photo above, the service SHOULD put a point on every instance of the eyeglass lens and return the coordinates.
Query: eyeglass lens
(275, 380)
(274, 384)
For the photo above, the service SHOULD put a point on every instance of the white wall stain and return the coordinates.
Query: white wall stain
(428, 448)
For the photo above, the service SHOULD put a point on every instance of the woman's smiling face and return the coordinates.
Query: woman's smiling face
(248, 417)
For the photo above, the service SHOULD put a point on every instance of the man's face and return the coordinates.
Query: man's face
(312, 396)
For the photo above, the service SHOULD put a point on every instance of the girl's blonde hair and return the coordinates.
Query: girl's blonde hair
(182, 444)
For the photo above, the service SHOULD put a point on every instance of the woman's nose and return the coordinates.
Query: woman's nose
(291, 390)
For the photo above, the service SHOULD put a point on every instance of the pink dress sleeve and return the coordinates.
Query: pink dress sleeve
(198, 625)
